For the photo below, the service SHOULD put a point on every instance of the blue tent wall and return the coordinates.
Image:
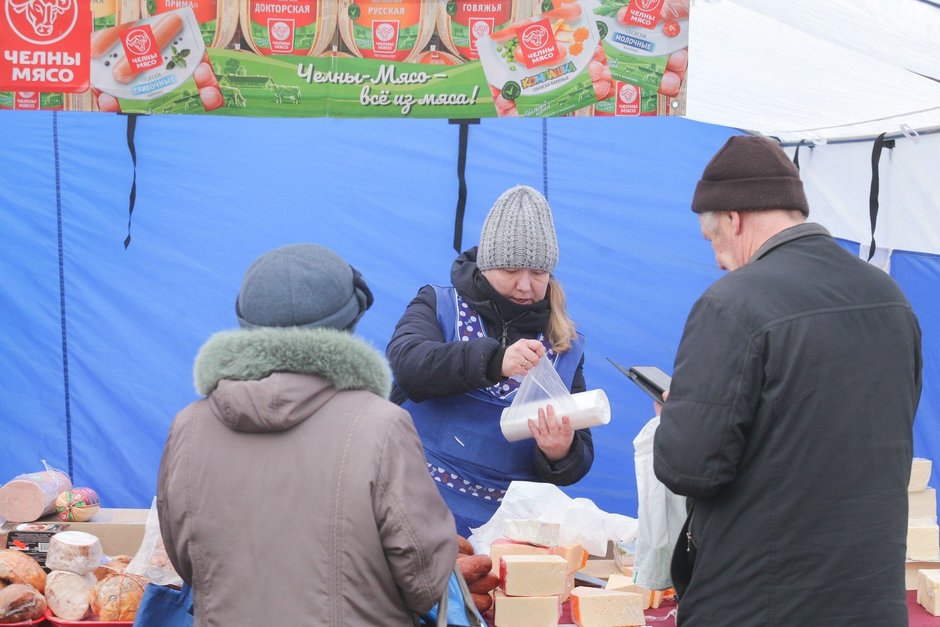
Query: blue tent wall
(213, 193)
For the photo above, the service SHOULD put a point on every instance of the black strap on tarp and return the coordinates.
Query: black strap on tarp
(464, 136)
(796, 155)
(875, 184)
(131, 130)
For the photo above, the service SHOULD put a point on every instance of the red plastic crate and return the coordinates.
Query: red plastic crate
(55, 620)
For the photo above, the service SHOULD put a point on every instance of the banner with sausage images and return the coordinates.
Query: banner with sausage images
(457, 59)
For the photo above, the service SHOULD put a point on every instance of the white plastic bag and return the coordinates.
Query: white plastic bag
(540, 387)
(151, 560)
(661, 515)
(581, 520)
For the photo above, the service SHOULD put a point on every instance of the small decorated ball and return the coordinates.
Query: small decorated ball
(77, 504)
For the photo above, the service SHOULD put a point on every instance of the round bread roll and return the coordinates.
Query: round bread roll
(16, 567)
(74, 551)
(117, 596)
(77, 504)
(117, 564)
(20, 603)
(69, 594)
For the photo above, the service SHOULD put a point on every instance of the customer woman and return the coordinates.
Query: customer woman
(459, 353)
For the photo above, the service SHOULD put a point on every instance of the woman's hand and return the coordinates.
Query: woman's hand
(554, 438)
(521, 357)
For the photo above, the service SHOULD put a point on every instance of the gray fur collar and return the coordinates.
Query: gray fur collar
(251, 354)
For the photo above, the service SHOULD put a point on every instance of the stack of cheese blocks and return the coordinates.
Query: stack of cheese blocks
(923, 535)
(536, 575)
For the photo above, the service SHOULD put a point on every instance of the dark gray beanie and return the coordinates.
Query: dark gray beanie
(301, 285)
(750, 173)
(518, 232)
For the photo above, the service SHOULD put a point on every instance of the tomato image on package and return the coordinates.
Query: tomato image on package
(45, 45)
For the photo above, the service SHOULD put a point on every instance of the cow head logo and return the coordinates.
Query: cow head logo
(138, 40)
(280, 31)
(41, 22)
(647, 5)
(629, 94)
(535, 37)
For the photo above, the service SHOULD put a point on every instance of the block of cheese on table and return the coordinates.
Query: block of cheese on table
(569, 586)
(922, 506)
(532, 531)
(928, 590)
(74, 551)
(505, 546)
(920, 474)
(594, 607)
(923, 542)
(911, 572)
(574, 554)
(532, 575)
(542, 611)
(625, 584)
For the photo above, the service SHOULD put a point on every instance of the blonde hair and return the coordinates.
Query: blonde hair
(561, 328)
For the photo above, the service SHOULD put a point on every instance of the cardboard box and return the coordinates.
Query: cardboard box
(121, 531)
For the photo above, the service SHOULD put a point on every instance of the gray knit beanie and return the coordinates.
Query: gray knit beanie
(518, 232)
(301, 285)
(749, 173)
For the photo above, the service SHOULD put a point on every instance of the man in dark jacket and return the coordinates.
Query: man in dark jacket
(789, 421)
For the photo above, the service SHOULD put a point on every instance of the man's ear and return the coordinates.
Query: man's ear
(737, 222)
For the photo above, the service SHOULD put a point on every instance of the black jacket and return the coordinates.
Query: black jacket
(789, 422)
(424, 366)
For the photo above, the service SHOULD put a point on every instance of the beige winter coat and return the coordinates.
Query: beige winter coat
(295, 494)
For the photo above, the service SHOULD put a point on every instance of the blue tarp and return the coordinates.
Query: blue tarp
(98, 343)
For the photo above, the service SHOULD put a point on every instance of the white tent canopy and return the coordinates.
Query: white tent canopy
(815, 70)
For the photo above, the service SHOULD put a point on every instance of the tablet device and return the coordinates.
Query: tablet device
(650, 379)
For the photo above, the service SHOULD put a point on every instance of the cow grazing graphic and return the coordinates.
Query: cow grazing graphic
(41, 14)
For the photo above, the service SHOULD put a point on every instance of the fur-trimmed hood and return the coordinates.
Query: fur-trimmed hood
(269, 379)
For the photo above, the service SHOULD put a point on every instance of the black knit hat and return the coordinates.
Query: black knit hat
(749, 173)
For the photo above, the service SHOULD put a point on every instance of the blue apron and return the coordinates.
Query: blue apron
(468, 457)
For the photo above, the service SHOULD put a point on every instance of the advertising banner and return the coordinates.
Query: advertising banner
(456, 59)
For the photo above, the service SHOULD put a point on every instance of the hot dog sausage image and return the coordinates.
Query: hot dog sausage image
(164, 30)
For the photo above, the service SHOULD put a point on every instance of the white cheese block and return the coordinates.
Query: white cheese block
(923, 543)
(74, 551)
(532, 575)
(541, 611)
(574, 554)
(910, 572)
(625, 584)
(532, 531)
(594, 607)
(69, 594)
(928, 590)
(922, 507)
(569, 586)
(508, 547)
(920, 474)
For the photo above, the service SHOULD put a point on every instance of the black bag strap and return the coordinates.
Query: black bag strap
(131, 132)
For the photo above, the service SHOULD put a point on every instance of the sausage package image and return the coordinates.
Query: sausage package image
(218, 19)
(287, 26)
(461, 22)
(646, 43)
(148, 58)
(546, 65)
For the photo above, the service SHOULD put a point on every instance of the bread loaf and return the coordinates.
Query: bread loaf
(116, 597)
(16, 567)
(117, 564)
(20, 603)
(69, 594)
(74, 551)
